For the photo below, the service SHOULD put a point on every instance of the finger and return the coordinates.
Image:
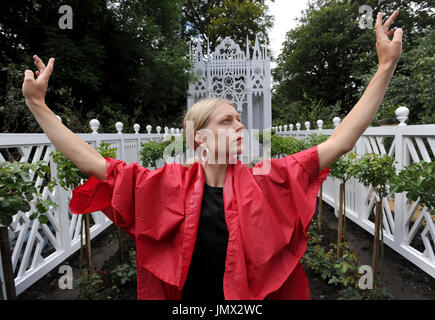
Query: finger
(49, 69)
(390, 33)
(28, 75)
(398, 34)
(391, 19)
(37, 73)
(380, 34)
(39, 64)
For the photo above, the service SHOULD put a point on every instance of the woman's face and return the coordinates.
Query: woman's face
(222, 133)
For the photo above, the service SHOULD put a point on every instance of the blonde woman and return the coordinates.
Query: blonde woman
(214, 229)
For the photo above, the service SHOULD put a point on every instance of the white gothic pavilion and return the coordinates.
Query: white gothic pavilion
(230, 73)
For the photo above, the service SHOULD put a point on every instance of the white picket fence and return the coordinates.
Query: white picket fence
(408, 227)
(37, 249)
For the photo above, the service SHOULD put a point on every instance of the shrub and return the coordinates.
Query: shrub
(418, 180)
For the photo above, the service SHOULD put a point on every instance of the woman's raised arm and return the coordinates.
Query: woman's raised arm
(85, 157)
(359, 118)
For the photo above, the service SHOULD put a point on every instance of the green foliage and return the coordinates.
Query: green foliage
(261, 134)
(126, 273)
(314, 140)
(69, 176)
(106, 150)
(89, 284)
(323, 261)
(152, 151)
(328, 58)
(413, 84)
(377, 293)
(319, 57)
(375, 170)
(418, 180)
(340, 272)
(13, 111)
(139, 66)
(216, 19)
(17, 190)
(342, 168)
(308, 109)
(283, 146)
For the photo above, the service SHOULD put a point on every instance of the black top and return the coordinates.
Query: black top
(206, 272)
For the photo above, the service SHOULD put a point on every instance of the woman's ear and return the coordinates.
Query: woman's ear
(199, 139)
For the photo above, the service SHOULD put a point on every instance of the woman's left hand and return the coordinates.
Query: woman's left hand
(389, 51)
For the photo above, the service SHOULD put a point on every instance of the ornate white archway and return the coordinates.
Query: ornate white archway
(230, 73)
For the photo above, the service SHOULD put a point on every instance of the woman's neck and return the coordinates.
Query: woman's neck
(215, 174)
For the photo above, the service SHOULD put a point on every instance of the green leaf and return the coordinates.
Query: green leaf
(6, 220)
(43, 219)
(33, 215)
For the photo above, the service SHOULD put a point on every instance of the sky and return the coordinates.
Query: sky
(284, 12)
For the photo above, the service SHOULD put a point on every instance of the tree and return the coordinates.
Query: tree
(414, 86)
(325, 55)
(122, 61)
(216, 19)
(377, 171)
(342, 169)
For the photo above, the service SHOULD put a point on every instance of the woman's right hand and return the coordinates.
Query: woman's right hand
(34, 90)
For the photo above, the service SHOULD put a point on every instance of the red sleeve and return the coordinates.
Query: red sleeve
(309, 179)
(296, 180)
(114, 196)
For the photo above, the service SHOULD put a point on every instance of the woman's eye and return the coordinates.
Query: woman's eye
(225, 120)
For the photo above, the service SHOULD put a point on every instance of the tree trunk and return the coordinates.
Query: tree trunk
(8, 273)
(319, 216)
(344, 212)
(340, 221)
(88, 244)
(378, 226)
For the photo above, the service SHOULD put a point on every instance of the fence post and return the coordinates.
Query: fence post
(359, 188)
(62, 210)
(307, 125)
(319, 125)
(119, 127)
(402, 157)
(136, 128)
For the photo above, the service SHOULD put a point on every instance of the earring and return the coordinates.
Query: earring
(203, 146)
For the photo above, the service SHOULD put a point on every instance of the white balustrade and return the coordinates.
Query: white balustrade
(409, 230)
(403, 225)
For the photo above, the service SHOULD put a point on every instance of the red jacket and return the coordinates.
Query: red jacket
(267, 217)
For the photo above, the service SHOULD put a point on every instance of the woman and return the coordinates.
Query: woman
(215, 229)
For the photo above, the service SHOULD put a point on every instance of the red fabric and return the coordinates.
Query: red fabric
(267, 216)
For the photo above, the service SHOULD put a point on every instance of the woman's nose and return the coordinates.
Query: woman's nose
(239, 126)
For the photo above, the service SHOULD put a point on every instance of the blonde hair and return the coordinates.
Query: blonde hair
(199, 114)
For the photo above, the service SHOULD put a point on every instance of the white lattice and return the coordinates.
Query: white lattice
(409, 228)
(38, 248)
